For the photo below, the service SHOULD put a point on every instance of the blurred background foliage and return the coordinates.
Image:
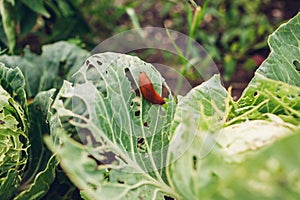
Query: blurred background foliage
(234, 33)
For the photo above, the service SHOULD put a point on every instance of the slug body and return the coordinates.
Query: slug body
(148, 91)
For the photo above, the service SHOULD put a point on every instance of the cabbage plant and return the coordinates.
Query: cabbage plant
(13, 131)
(205, 146)
(27, 167)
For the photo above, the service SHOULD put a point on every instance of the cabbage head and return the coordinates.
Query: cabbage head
(14, 142)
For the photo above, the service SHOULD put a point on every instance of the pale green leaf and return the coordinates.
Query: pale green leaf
(199, 117)
(125, 138)
(275, 87)
(9, 23)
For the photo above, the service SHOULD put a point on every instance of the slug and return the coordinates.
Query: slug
(148, 91)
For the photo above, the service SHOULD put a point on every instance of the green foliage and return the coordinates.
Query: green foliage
(230, 31)
(57, 62)
(8, 23)
(106, 14)
(40, 21)
(233, 29)
(13, 131)
(26, 170)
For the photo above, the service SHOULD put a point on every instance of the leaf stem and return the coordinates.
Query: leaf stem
(282, 104)
(246, 113)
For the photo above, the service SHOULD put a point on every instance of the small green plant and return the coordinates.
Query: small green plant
(232, 30)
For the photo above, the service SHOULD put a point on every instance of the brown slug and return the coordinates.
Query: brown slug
(148, 91)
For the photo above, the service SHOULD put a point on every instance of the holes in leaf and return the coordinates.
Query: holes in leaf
(255, 94)
(278, 88)
(2, 122)
(146, 124)
(90, 66)
(135, 107)
(277, 91)
(195, 159)
(106, 174)
(137, 113)
(99, 62)
(130, 78)
(290, 97)
(296, 63)
(19, 125)
(141, 146)
(121, 182)
(106, 75)
(168, 198)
